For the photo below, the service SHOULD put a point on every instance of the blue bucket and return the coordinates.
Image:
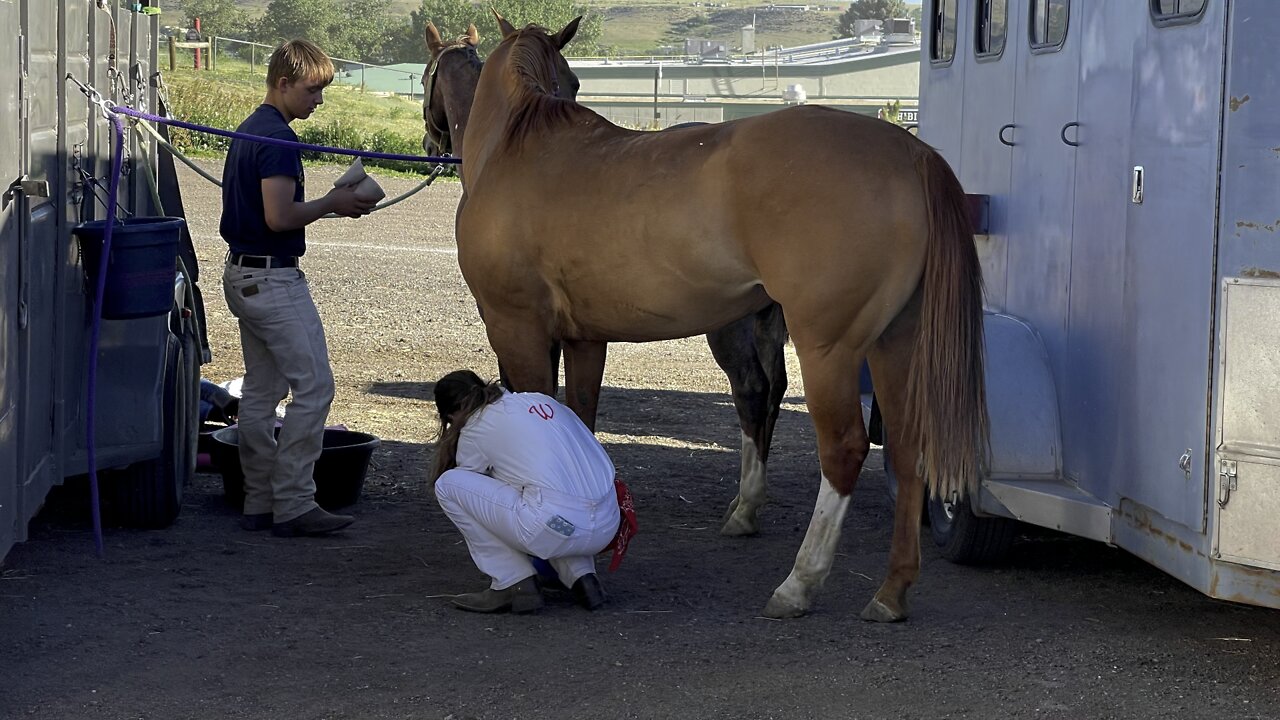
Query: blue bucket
(140, 271)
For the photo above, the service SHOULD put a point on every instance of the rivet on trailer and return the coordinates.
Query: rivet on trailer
(57, 172)
(1127, 151)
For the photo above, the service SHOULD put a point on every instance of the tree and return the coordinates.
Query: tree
(553, 15)
(452, 17)
(869, 10)
(365, 32)
(217, 17)
(314, 20)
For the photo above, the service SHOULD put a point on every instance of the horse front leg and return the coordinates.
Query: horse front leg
(750, 352)
(831, 392)
(583, 374)
(523, 349)
(553, 360)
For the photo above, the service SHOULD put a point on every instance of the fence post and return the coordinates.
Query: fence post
(213, 52)
(253, 54)
(197, 23)
(173, 55)
(362, 67)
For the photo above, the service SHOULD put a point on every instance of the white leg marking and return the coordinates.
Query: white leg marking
(741, 519)
(813, 562)
(751, 487)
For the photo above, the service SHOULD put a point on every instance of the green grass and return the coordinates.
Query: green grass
(349, 118)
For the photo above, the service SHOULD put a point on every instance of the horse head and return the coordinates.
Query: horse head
(535, 56)
(449, 86)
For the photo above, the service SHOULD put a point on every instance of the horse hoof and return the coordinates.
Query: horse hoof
(735, 526)
(782, 610)
(876, 611)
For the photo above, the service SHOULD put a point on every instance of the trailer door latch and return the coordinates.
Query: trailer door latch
(30, 188)
(1226, 481)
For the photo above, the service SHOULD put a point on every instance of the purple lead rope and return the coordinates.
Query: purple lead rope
(117, 157)
(282, 143)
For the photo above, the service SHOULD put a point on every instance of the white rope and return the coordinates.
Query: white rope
(175, 151)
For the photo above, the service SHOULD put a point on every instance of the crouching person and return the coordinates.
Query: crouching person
(521, 475)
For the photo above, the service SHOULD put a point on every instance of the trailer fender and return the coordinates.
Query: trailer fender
(1022, 402)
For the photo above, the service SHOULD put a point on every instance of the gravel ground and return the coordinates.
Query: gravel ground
(204, 620)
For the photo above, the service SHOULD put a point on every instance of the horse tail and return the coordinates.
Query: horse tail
(946, 388)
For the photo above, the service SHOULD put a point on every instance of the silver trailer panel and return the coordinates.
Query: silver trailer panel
(1132, 171)
(45, 301)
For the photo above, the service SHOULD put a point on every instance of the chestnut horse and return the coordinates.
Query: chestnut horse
(576, 230)
(750, 350)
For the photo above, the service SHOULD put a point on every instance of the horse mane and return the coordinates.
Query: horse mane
(535, 107)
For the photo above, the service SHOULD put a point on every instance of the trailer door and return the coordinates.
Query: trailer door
(38, 248)
(986, 163)
(10, 216)
(1169, 273)
(942, 77)
(1043, 175)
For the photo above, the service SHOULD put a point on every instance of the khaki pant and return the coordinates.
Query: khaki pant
(284, 351)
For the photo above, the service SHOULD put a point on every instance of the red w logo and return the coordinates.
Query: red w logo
(543, 410)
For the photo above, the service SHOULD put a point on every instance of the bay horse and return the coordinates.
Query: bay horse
(578, 231)
(750, 350)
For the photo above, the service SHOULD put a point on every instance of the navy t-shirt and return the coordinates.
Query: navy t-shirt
(244, 224)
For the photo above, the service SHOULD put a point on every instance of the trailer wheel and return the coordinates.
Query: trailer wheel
(148, 494)
(965, 538)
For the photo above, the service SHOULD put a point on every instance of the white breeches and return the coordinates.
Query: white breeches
(503, 525)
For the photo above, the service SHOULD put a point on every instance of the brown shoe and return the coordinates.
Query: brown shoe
(523, 597)
(311, 523)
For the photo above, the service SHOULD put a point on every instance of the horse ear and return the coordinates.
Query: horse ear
(434, 43)
(507, 28)
(473, 37)
(563, 37)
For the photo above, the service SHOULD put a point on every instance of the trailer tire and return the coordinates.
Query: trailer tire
(965, 538)
(148, 494)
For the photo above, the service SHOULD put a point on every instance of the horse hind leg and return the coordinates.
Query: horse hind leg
(583, 375)
(831, 392)
(890, 360)
(750, 352)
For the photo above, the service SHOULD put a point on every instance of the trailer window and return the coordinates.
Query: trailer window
(1168, 12)
(942, 43)
(1048, 24)
(991, 27)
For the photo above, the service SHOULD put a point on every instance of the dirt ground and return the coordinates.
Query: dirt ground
(204, 620)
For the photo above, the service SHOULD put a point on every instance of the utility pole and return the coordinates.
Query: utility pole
(657, 114)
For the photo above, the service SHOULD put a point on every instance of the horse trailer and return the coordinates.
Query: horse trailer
(55, 165)
(1129, 157)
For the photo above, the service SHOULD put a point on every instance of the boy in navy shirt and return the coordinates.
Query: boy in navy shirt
(264, 212)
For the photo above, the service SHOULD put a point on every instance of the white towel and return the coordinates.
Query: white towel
(366, 187)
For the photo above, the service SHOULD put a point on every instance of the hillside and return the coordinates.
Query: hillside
(642, 26)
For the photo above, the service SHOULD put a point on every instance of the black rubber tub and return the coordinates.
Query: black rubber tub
(339, 473)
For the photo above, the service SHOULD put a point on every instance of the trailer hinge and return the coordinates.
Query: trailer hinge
(1226, 481)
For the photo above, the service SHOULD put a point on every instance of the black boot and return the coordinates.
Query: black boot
(588, 592)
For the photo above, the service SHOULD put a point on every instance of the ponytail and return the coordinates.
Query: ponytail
(459, 395)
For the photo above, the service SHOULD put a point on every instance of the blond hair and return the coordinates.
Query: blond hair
(299, 60)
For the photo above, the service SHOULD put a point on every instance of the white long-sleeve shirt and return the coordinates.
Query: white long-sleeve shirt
(530, 439)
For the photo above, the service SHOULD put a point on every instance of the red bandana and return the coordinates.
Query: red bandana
(627, 528)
